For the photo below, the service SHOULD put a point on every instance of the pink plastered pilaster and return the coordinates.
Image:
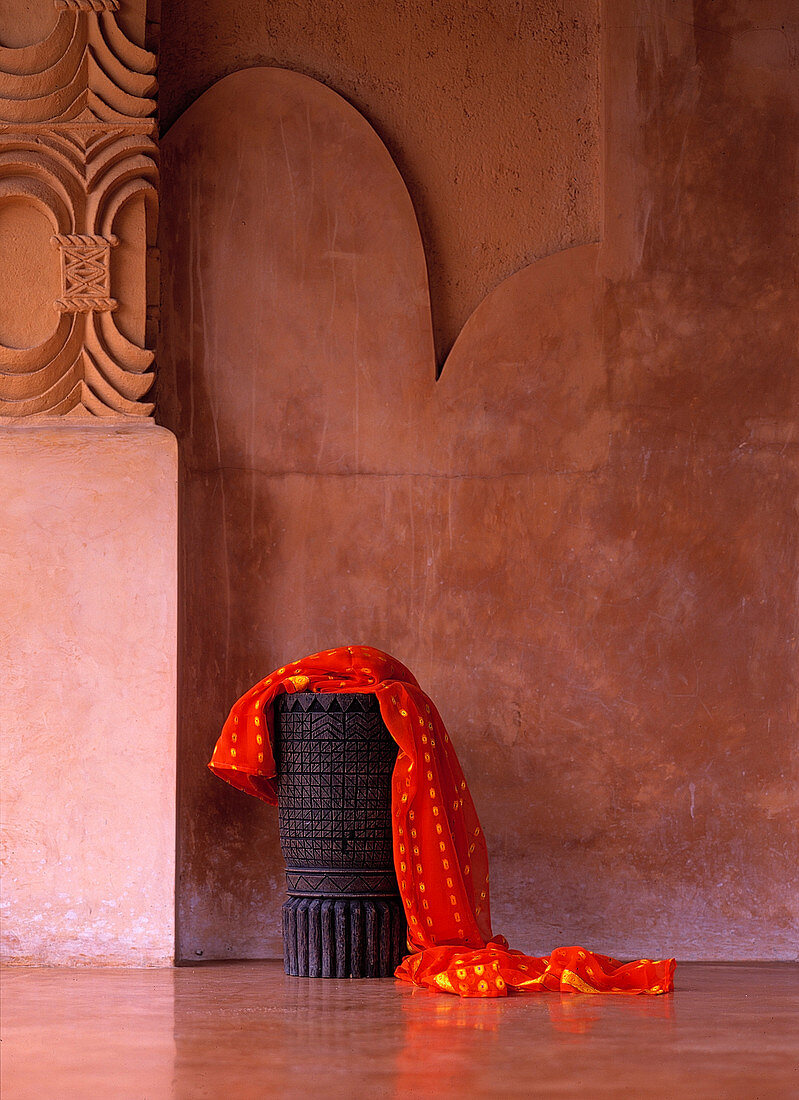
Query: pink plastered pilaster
(87, 712)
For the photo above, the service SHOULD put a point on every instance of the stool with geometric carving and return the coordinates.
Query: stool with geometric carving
(335, 758)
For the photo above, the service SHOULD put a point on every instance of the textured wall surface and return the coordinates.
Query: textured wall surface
(594, 507)
(87, 661)
(490, 110)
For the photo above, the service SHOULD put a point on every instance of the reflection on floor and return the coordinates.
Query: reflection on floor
(245, 1030)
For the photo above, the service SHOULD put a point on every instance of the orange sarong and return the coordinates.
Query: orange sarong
(439, 850)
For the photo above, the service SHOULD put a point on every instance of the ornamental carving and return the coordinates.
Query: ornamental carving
(85, 272)
(77, 143)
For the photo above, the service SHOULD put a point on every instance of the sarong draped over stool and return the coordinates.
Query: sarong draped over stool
(439, 851)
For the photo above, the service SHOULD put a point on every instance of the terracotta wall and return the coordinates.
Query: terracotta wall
(490, 111)
(581, 537)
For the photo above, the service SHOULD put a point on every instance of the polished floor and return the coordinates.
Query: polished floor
(245, 1030)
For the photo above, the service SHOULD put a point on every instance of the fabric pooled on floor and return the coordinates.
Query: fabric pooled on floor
(440, 852)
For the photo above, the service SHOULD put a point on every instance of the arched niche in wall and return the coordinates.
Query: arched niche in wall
(333, 490)
(31, 270)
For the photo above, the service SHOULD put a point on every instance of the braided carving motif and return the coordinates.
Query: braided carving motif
(87, 5)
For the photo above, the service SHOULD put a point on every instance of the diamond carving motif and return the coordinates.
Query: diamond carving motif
(77, 142)
(85, 272)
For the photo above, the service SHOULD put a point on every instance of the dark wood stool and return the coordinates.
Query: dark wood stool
(335, 757)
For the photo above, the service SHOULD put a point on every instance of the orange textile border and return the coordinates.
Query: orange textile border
(440, 852)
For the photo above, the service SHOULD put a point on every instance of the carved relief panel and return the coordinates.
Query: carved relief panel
(78, 159)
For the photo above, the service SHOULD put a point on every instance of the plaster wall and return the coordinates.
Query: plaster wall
(490, 110)
(581, 538)
(88, 587)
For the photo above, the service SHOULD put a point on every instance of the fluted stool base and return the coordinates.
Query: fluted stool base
(343, 937)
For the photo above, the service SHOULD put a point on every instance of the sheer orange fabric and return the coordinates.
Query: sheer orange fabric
(439, 850)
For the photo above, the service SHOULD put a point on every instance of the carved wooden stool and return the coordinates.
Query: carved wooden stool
(335, 758)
